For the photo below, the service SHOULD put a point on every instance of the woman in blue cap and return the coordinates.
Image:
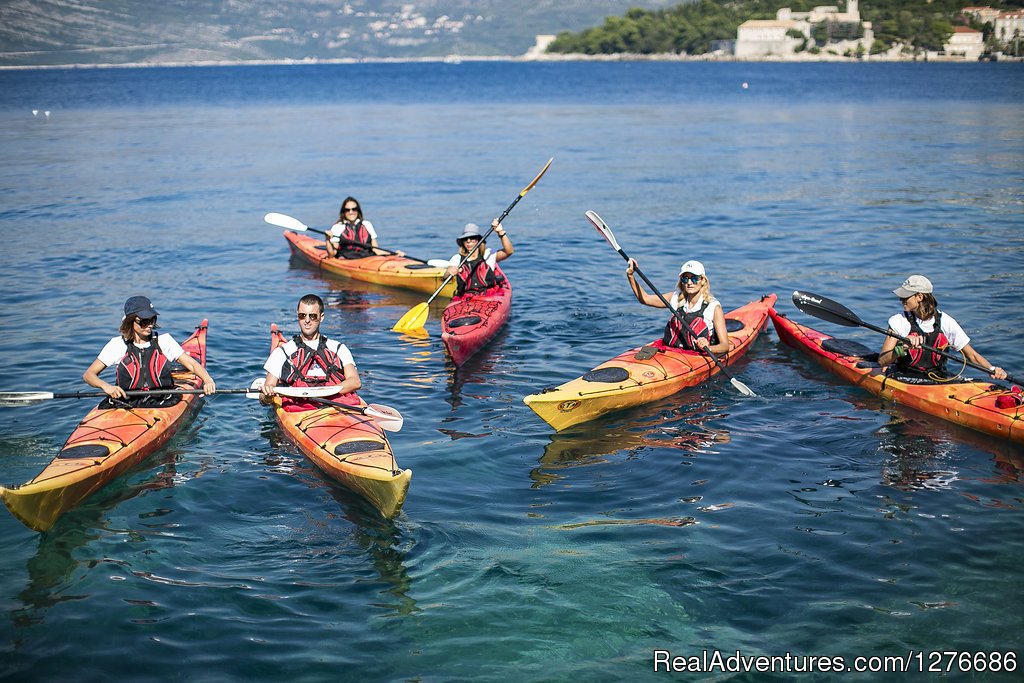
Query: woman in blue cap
(141, 364)
(704, 328)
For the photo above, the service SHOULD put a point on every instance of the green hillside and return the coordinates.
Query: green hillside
(42, 32)
(691, 27)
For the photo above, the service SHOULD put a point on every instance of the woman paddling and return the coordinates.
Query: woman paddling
(705, 322)
(141, 364)
(478, 272)
(352, 237)
(925, 325)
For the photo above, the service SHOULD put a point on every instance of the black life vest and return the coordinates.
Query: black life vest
(144, 368)
(298, 365)
(475, 277)
(921, 362)
(685, 336)
(353, 232)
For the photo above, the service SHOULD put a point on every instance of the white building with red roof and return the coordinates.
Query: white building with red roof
(965, 42)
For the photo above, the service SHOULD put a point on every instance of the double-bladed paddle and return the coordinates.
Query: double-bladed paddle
(387, 417)
(603, 228)
(834, 312)
(416, 316)
(287, 222)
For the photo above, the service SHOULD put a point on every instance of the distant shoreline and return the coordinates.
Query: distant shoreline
(456, 59)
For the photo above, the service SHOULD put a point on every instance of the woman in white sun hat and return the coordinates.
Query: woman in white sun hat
(925, 325)
(704, 329)
(478, 272)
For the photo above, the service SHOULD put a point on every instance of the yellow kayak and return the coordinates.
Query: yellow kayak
(392, 271)
(106, 443)
(349, 447)
(645, 374)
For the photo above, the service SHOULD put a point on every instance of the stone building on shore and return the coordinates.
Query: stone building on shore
(790, 32)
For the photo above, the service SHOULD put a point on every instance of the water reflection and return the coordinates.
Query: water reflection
(684, 428)
(383, 541)
(380, 538)
(918, 449)
(481, 369)
(51, 571)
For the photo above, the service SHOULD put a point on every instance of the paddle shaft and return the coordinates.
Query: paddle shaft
(152, 392)
(386, 422)
(675, 311)
(847, 314)
(360, 244)
(502, 217)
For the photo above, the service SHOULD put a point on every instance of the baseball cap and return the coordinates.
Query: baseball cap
(140, 307)
(915, 284)
(695, 267)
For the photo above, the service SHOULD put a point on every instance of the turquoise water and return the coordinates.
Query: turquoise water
(811, 520)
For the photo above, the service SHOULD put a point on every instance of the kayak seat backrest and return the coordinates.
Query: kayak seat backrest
(608, 375)
(850, 348)
(350, 447)
(465, 320)
(733, 325)
(88, 450)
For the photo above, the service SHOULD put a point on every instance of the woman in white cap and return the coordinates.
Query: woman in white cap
(925, 325)
(477, 273)
(141, 364)
(705, 322)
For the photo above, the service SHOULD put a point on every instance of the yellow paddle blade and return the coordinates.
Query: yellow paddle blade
(413, 319)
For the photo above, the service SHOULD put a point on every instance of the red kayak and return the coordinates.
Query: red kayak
(471, 321)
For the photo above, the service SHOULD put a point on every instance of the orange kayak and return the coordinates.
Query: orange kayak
(393, 271)
(349, 447)
(969, 403)
(471, 321)
(106, 443)
(646, 374)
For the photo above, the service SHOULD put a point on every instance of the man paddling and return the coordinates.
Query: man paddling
(310, 359)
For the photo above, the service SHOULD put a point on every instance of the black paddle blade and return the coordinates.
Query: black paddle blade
(826, 309)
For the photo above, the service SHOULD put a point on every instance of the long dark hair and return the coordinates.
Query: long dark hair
(341, 211)
(926, 309)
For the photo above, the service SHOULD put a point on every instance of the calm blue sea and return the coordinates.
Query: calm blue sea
(811, 520)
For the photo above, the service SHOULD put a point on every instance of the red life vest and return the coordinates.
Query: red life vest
(297, 367)
(921, 362)
(475, 277)
(354, 232)
(143, 369)
(685, 336)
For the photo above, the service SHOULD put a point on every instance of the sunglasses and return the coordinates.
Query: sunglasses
(351, 208)
(694, 279)
(149, 322)
(313, 317)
